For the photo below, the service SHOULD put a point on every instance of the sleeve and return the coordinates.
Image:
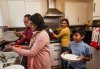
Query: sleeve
(69, 47)
(20, 41)
(36, 48)
(29, 35)
(88, 50)
(62, 32)
(23, 39)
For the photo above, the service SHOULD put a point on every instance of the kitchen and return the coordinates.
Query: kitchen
(79, 13)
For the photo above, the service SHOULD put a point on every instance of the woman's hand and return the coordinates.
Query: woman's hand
(7, 48)
(12, 43)
(19, 33)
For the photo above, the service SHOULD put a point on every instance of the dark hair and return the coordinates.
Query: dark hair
(81, 31)
(38, 20)
(27, 15)
(66, 21)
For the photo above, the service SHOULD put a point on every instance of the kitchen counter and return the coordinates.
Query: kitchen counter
(2, 41)
(2, 44)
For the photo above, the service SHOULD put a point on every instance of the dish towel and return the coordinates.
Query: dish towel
(95, 41)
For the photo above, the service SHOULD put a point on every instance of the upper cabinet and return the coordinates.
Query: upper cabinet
(18, 8)
(96, 9)
(33, 7)
(16, 13)
(76, 12)
(1, 23)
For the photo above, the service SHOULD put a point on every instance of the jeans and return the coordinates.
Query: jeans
(70, 67)
(64, 64)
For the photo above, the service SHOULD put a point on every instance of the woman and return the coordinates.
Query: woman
(26, 35)
(64, 35)
(38, 52)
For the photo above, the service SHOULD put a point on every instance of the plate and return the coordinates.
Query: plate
(10, 36)
(70, 57)
(14, 67)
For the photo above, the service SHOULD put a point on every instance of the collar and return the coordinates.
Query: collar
(79, 43)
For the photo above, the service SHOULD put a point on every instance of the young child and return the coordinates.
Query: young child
(79, 48)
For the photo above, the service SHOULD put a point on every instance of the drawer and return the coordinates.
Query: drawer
(55, 62)
(55, 50)
(55, 57)
(55, 47)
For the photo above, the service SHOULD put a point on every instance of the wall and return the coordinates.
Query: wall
(5, 13)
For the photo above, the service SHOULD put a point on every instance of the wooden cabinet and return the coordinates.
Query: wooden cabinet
(76, 12)
(55, 49)
(16, 13)
(1, 23)
(18, 8)
(33, 7)
(96, 9)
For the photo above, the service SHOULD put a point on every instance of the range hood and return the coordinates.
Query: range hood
(52, 11)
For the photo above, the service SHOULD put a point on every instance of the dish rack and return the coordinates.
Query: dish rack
(8, 58)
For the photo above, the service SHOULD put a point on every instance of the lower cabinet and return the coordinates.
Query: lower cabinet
(55, 50)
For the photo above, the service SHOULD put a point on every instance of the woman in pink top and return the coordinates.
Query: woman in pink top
(38, 52)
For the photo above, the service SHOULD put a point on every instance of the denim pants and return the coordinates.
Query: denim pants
(64, 64)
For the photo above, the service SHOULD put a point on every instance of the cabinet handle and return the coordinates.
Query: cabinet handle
(78, 18)
(57, 50)
(57, 59)
(56, 45)
(94, 7)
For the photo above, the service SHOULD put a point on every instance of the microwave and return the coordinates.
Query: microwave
(96, 23)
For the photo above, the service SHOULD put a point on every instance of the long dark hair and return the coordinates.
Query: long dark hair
(38, 20)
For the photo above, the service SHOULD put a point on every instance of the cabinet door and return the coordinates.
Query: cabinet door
(70, 13)
(96, 9)
(82, 12)
(55, 51)
(1, 23)
(16, 12)
(76, 12)
(33, 7)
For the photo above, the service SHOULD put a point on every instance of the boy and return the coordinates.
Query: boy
(79, 48)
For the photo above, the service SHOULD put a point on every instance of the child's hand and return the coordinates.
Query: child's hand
(66, 52)
(81, 58)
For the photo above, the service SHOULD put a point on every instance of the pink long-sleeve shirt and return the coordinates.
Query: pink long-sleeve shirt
(39, 54)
